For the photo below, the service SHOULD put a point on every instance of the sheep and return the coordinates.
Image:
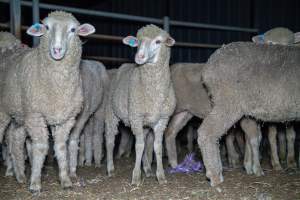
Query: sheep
(94, 84)
(247, 79)
(42, 87)
(142, 96)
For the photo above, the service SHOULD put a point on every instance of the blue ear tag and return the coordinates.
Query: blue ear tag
(37, 26)
(261, 38)
(132, 42)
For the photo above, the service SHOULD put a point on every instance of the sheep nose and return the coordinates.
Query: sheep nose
(57, 50)
(141, 56)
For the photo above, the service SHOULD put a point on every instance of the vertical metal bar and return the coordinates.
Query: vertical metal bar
(35, 19)
(166, 20)
(15, 18)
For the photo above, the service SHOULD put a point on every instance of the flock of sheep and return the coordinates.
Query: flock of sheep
(50, 89)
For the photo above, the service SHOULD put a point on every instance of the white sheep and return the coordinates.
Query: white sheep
(142, 96)
(43, 88)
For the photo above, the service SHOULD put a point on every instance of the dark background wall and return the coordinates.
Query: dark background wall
(261, 14)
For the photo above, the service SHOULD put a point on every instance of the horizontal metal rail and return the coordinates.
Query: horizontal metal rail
(137, 18)
(119, 38)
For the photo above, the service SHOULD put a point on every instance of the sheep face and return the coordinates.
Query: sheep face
(148, 49)
(59, 30)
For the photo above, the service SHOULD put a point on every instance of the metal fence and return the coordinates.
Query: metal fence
(16, 27)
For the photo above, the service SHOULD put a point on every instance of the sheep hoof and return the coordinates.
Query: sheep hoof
(111, 174)
(216, 180)
(161, 180)
(35, 187)
(136, 181)
(277, 167)
(66, 183)
(258, 172)
(73, 175)
(98, 165)
(291, 164)
(148, 173)
(233, 163)
(9, 173)
(21, 179)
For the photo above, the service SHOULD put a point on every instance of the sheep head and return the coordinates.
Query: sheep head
(150, 41)
(60, 29)
(278, 35)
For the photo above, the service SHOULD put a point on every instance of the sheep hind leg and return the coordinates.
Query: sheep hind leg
(272, 134)
(4, 121)
(88, 140)
(139, 149)
(17, 136)
(148, 154)
(60, 136)
(158, 142)
(253, 138)
(98, 130)
(232, 154)
(81, 157)
(38, 132)
(291, 136)
(282, 146)
(9, 164)
(177, 122)
(111, 129)
(73, 144)
(217, 122)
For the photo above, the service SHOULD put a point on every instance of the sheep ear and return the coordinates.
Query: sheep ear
(170, 41)
(131, 41)
(259, 39)
(36, 30)
(297, 37)
(85, 29)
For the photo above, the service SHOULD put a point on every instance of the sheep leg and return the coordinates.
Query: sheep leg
(29, 150)
(60, 136)
(217, 122)
(290, 137)
(232, 154)
(73, 143)
(38, 132)
(8, 163)
(81, 158)
(89, 143)
(4, 121)
(177, 122)
(272, 134)
(111, 130)
(125, 137)
(282, 145)
(253, 138)
(148, 154)
(240, 141)
(158, 142)
(98, 140)
(129, 146)
(190, 138)
(17, 138)
(139, 149)
(248, 156)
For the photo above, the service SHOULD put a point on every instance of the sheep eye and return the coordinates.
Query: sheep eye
(157, 42)
(47, 27)
(73, 30)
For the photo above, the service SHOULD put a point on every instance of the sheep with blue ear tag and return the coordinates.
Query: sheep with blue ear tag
(142, 96)
(43, 88)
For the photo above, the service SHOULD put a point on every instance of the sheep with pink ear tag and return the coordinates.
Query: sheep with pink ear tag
(142, 96)
(47, 92)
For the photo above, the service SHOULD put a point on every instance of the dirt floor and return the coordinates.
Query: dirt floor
(94, 184)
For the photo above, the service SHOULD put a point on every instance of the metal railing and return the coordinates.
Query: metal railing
(15, 21)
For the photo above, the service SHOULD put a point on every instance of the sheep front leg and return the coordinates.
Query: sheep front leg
(218, 121)
(89, 143)
(291, 136)
(232, 154)
(81, 158)
(177, 122)
(73, 143)
(282, 145)
(248, 156)
(253, 135)
(139, 150)
(60, 136)
(17, 138)
(272, 134)
(8, 163)
(4, 121)
(38, 132)
(158, 141)
(148, 154)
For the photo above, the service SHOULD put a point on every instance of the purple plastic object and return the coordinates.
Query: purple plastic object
(189, 165)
